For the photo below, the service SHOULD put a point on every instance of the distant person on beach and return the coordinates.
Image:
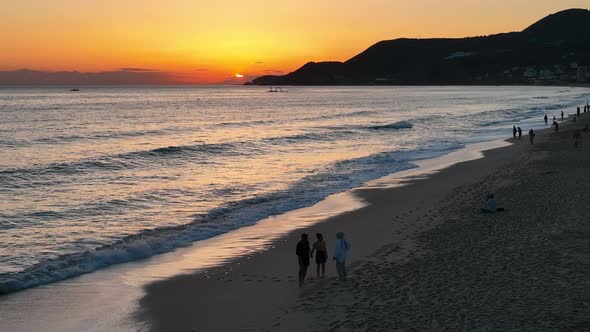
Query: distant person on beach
(491, 205)
(554, 118)
(519, 132)
(340, 253)
(514, 131)
(321, 254)
(577, 138)
(546, 118)
(303, 253)
(562, 115)
(531, 135)
(578, 111)
(556, 125)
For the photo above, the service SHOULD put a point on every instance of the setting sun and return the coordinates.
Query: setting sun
(239, 75)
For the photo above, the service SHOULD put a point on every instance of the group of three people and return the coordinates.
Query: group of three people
(305, 253)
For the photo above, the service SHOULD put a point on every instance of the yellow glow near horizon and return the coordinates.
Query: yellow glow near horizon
(200, 42)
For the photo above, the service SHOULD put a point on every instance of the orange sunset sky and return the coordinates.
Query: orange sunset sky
(210, 41)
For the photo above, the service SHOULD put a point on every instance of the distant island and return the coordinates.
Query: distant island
(555, 50)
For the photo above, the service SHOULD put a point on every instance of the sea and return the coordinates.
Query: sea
(112, 174)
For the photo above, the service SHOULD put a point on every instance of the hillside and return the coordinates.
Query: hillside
(554, 50)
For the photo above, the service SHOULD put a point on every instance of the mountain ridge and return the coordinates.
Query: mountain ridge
(553, 50)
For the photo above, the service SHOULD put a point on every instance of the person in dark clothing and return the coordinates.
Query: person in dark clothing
(303, 254)
(531, 135)
(519, 132)
(578, 111)
(554, 118)
(556, 125)
(321, 254)
(546, 118)
(514, 131)
(562, 115)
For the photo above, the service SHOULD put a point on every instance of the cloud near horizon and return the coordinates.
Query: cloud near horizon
(124, 76)
(273, 71)
(137, 69)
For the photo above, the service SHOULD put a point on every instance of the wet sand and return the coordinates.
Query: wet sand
(423, 256)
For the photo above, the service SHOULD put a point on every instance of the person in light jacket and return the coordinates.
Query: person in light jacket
(340, 253)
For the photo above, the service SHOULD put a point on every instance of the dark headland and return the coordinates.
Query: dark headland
(554, 50)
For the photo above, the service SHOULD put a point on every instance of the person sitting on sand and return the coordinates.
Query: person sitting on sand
(303, 254)
(321, 254)
(340, 253)
(556, 125)
(531, 135)
(577, 138)
(491, 206)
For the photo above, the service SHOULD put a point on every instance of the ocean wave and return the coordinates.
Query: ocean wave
(244, 123)
(395, 125)
(341, 115)
(312, 136)
(98, 136)
(333, 178)
(196, 153)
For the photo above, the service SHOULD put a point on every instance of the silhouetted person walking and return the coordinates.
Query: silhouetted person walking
(519, 133)
(303, 254)
(340, 254)
(578, 111)
(562, 115)
(546, 118)
(531, 135)
(321, 254)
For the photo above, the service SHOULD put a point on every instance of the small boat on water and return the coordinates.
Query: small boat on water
(74, 89)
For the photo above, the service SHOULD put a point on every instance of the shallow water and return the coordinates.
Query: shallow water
(112, 174)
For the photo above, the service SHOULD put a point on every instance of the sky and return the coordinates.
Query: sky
(212, 41)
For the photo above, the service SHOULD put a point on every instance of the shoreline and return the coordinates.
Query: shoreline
(269, 277)
(117, 289)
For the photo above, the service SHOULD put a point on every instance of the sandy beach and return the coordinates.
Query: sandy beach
(423, 257)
